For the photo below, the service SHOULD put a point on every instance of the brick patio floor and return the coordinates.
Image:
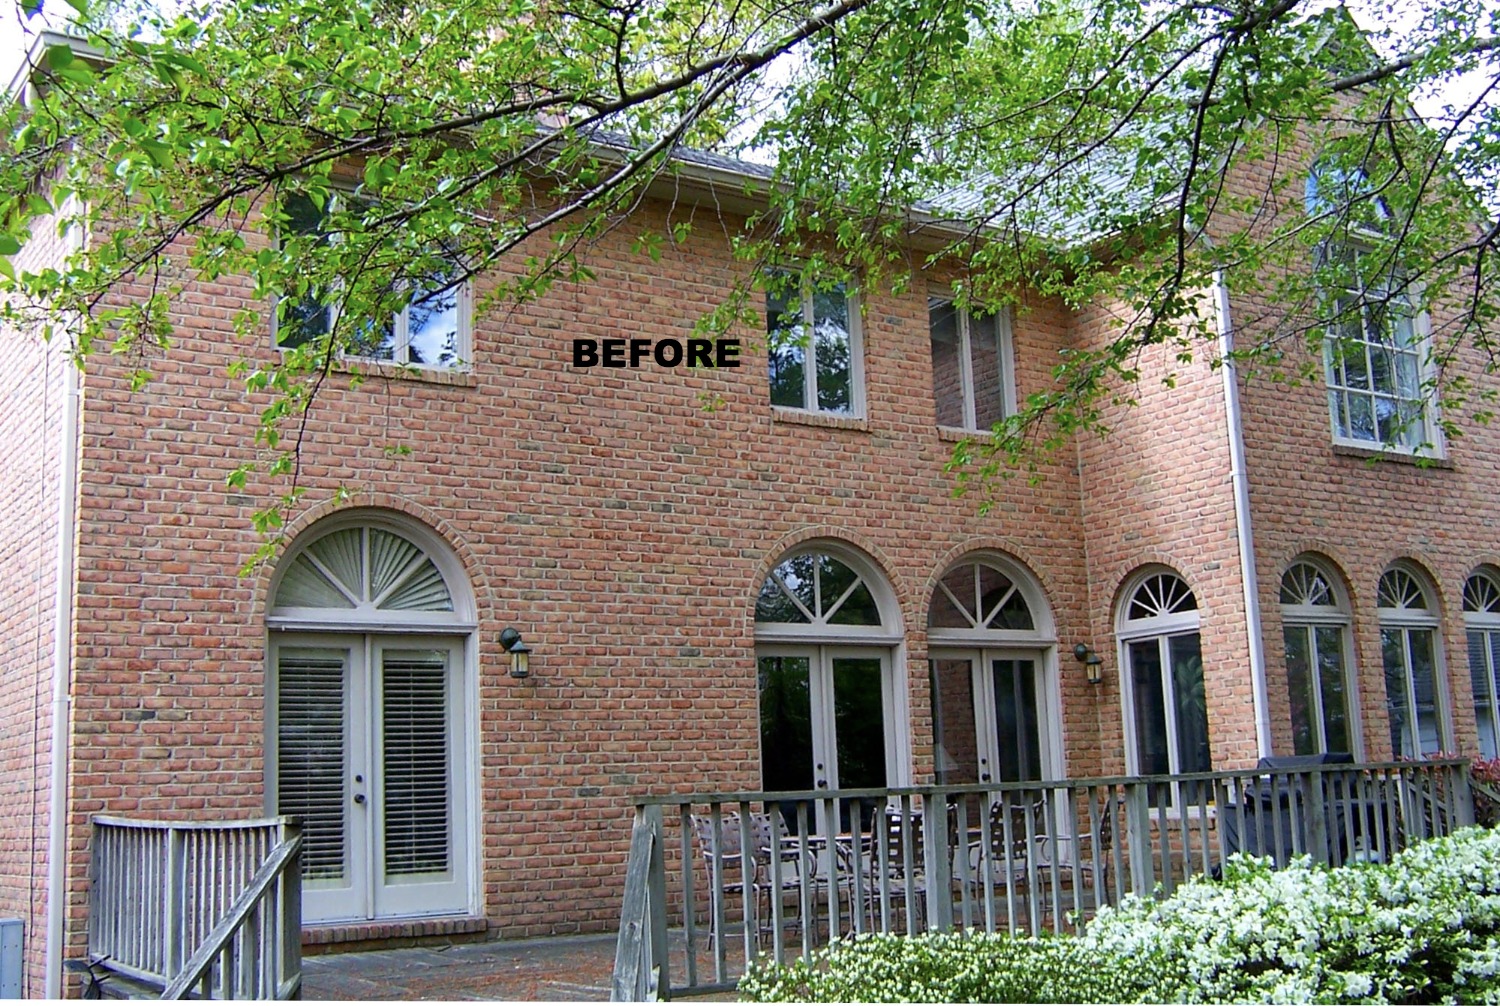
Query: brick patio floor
(575, 968)
(559, 968)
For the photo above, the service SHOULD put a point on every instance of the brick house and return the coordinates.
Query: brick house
(780, 592)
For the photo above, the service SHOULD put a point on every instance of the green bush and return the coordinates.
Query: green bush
(1422, 928)
(948, 967)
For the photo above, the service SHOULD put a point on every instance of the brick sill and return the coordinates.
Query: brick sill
(800, 417)
(1394, 457)
(390, 933)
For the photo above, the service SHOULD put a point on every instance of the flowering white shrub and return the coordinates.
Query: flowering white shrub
(1423, 928)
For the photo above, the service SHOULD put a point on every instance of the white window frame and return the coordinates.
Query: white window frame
(807, 302)
(400, 325)
(1311, 617)
(1004, 333)
(1486, 623)
(1404, 620)
(1163, 629)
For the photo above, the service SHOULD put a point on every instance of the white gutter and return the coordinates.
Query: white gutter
(62, 663)
(1240, 481)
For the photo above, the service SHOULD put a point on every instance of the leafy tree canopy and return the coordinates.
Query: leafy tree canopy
(1084, 149)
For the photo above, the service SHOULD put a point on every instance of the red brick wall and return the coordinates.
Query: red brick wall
(620, 526)
(1156, 490)
(31, 407)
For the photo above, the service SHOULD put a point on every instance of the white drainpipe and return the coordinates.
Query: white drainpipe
(1241, 483)
(62, 667)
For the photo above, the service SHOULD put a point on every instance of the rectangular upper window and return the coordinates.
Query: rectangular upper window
(816, 362)
(432, 329)
(1374, 352)
(973, 385)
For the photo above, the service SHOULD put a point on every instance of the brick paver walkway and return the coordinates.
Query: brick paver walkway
(558, 968)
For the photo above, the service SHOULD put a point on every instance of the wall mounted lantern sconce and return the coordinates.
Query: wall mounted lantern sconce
(520, 653)
(1093, 664)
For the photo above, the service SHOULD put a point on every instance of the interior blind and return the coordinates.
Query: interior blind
(311, 755)
(414, 704)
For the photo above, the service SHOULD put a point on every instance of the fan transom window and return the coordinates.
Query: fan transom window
(365, 568)
(816, 589)
(1400, 591)
(977, 595)
(1304, 585)
(1482, 595)
(1158, 595)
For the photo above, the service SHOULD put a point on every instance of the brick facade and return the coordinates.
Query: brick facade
(625, 530)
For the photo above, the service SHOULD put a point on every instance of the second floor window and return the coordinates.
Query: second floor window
(815, 353)
(1374, 355)
(972, 384)
(430, 328)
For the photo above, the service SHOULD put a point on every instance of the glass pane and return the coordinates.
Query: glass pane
(1388, 421)
(1382, 370)
(374, 342)
(1361, 418)
(1482, 681)
(985, 365)
(1299, 689)
(859, 722)
(311, 756)
(786, 749)
(945, 614)
(773, 605)
(414, 735)
(432, 326)
(947, 375)
(833, 579)
(1398, 708)
(831, 351)
(956, 747)
(1424, 685)
(308, 317)
(1331, 677)
(787, 342)
(1016, 721)
(858, 609)
(1351, 352)
(1150, 708)
(1192, 704)
(994, 587)
(797, 574)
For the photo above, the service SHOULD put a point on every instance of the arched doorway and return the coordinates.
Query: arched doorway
(368, 727)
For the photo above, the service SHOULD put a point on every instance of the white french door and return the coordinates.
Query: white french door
(1005, 697)
(369, 743)
(826, 716)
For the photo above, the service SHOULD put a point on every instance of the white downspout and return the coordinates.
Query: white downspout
(62, 666)
(1241, 483)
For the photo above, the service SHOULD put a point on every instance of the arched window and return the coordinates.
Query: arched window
(1482, 623)
(992, 670)
(1315, 628)
(1409, 652)
(1166, 710)
(825, 625)
(370, 624)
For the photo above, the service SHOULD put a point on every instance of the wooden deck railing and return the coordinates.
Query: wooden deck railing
(777, 874)
(163, 892)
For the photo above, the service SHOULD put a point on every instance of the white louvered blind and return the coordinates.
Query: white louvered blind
(418, 789)
(312, 752)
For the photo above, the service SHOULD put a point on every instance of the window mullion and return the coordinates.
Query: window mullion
(1169, 704)
(966, 371)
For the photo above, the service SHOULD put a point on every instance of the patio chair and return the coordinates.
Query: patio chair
(727, 875)
(896, 869)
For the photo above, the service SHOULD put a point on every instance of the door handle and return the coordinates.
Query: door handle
(359, 798)
(985, 777)
(822, 784)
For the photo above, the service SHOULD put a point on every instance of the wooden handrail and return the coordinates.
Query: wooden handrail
(285, 856)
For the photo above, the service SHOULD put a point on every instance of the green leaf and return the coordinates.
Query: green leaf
(59, 57)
